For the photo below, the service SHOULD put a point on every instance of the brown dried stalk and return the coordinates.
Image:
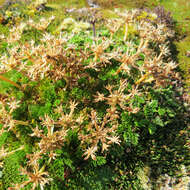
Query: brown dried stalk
(10, 81)
(38, 177)
(100, 132)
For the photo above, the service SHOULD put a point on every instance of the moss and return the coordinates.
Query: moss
(180, 12)
(67, 4)
(11, 174)
(4, 30)
(3, 139)
(184, 60)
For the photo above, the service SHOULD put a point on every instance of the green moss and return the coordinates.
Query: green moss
(3, 138)
(31, 34)
(47, 91)
(180, 12)
(11, 174)
(184, 60)
(4, 29)
(67, 4)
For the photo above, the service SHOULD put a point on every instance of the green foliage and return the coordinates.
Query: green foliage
(11, 174)
(64, 118)
(99, 161)
(57, 169)
(32, 34)
(95, 178)
(3, 139)
(4, 30)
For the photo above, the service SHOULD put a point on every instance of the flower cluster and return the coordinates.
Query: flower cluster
(98, 132)
(7, 107)
(42, 24)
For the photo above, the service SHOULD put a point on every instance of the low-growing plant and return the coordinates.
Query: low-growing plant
(90, 105)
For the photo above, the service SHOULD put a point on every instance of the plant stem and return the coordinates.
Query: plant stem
(9, 81)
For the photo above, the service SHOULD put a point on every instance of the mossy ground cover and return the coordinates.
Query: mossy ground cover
(83, 116)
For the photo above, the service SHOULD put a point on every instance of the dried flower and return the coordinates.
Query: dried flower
(13, 105)
(37, 178)
(90, 153)
(99, 132)
(113, 139)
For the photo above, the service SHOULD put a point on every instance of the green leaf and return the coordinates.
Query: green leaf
(151, 129)
(130, 137)
(161, 111)
(68, 162)
(3, 138)
(170, 113)
(154, 105)
(158, 121)
(100, 160)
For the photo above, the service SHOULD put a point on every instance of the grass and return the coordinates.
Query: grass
(180, 12)
(68, 4)
(1, 1)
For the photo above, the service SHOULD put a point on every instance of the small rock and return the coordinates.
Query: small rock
(41, 7)
(92, 4)
(188, 53)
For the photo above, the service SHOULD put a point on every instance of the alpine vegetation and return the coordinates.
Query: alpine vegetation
(73, 102)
